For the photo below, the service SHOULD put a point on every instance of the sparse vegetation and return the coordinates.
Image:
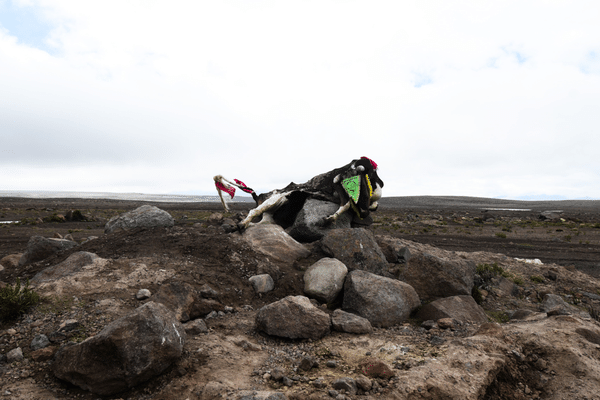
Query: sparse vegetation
(536, 279)
(501, 235)
(498, 316)
(17, 300)
(517, 280)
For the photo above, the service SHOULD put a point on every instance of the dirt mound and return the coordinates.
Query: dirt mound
(537, 356)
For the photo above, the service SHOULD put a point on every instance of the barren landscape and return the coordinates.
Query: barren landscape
(232, 359)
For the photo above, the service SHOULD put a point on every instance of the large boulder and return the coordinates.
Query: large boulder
(185, 301)
(435, 277)
(356, 248)
(308, 225)
(74, 263)
(324, 279)
(293, 317)
(460, 308)
(146, 216)
(383, 301)
(40, 248)
(127, 352)
(272, 241)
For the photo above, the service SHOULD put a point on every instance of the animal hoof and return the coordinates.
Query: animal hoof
(325, 222)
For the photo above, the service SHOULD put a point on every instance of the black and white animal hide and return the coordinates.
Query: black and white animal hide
(356, 186)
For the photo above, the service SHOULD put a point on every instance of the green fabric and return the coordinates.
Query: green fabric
(352, 187)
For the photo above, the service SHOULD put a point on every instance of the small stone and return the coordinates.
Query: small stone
(445, 323)
(375, 368)
(363, 383)
(44, 354)
(267, 376)
(331, 364)
(208, 293)
(287, 381)
(14, 355)
(262, 283)
(248, 346)
(319, 383)
(68, 325)
(39, 342)
(212, 314)
(195, 327)
(347, 384)
(143, 294)
(277, 374)
(307, 363)
(541, 364)
(429, 324)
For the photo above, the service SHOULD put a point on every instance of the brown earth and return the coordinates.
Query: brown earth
(198, 251)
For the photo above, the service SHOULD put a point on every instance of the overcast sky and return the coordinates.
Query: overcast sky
(473, 98)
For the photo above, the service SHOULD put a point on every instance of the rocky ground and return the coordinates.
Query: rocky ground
(539, 353)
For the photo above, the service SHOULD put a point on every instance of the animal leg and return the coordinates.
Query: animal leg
(225, 206)
(333, 217)
(272, 203)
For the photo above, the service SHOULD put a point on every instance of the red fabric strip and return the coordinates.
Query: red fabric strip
(226, 189)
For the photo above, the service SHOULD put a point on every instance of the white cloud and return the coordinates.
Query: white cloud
(470, 98)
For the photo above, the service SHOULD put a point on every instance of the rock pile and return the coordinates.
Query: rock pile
(342, 304)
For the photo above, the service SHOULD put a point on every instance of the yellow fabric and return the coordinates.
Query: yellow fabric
(369, 185)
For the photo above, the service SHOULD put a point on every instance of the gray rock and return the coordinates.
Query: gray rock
(433, 277)
(14, 355)
(143, 294)
(40, 248)
(308, 224)
(39, 342)
(324, 279)
(145, 216)
(293, 317)
(185, 301)
(195, 327)
(394, 252)
(128, 351)
(11, 261)
(383, 301)
(507, 287)
(459, 308)
(363, 383)
(68, 325)
(554, 304)
(74, 263)
(262, 283)
(347, 384)
(207, 292)
(272, 241)
(277, 374)
(356, 248)
(307, 363)
(347, 322)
